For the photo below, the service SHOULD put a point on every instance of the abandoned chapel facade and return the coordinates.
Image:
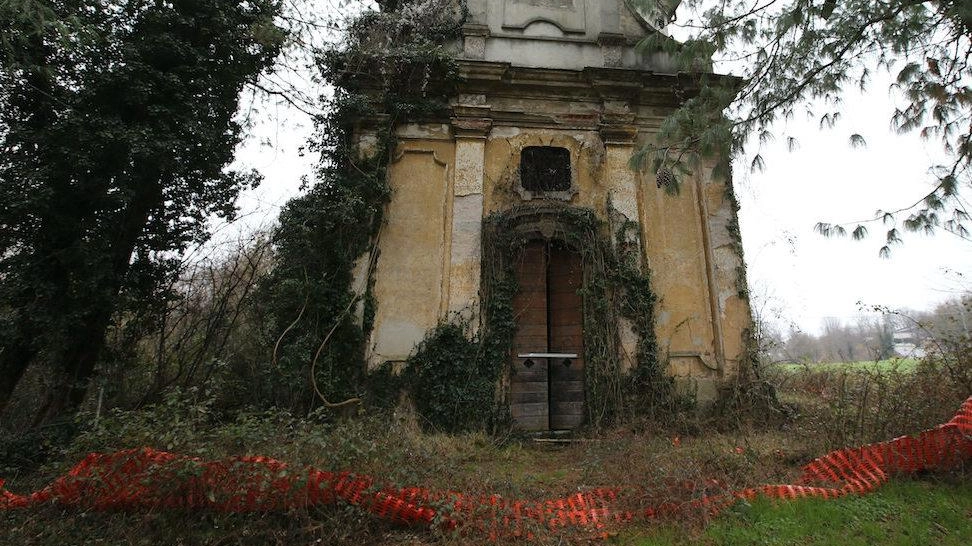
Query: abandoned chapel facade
(555, 100)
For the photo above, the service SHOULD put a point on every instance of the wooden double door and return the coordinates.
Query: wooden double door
(547, 378)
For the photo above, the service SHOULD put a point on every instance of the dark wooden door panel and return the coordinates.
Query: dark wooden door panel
(565, 279)
(535, 397)
(548, 394)
(529, 379)
(569, 396)
(574, 373)
(566, 415)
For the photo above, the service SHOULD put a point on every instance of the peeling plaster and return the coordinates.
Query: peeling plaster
(505, 132)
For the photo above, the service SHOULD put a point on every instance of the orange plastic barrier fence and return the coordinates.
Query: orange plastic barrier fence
(149, 479)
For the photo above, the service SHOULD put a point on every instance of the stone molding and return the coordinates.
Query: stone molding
(476, 128)
(572, 19)
(636, 87)
(475, 29)
(621, 135)
(420, 151)
(614, 39)
(474, 40)
(538, 222)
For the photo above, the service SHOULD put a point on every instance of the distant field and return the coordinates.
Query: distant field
(896, 364)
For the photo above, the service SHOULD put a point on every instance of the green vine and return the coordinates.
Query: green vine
(393, 67)
(750, 361)
(649, 388)
(454, 375)
(614, 287)
(735, 234)
(452, 380)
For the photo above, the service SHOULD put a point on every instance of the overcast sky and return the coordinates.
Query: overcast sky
(810, 277)
(795, 274)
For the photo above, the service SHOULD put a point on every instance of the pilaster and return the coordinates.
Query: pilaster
(619, 141)
(474, 38)
(619, 136)
(470, 127)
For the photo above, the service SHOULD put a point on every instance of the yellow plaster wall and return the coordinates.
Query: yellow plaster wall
(411, 284)
(731, 291)
(414, 273)
(673, 235)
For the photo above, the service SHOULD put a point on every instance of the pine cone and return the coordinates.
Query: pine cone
(665, 177)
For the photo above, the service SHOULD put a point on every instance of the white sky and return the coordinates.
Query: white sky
(810, 277)
(800, 276)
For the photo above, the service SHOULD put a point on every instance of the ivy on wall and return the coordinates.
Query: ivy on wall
(394, 66)
(750, 361)
(615, 287)
(457, 376)
(452, 379)
(454, 376)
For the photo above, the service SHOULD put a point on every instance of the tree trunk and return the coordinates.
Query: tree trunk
(75, 374)
(14, 360)
(82, 346)
(36, 102)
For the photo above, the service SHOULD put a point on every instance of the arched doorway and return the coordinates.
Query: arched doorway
(547, 390)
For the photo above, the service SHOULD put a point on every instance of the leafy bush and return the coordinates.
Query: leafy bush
(453, 386)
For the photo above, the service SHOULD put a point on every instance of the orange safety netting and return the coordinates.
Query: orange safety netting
(146, 478)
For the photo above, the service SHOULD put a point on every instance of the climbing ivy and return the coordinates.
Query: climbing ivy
(648, 388)
(735, 235)
(392, 67)
(451, 381)
(750, 361)
(454, 375)
(615, 287)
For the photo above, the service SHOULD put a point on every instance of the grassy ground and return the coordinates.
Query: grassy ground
(474, 464)
(904, 512)
(830, 410)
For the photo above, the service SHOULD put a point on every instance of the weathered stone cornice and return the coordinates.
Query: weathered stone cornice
(470, 127)
(618, 102)
(474, 29)
(639, 87)
(612, 39)
(614, 133)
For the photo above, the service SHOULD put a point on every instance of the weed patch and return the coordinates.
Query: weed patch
(658, 467)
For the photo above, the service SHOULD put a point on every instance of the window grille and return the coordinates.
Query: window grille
(545, 169)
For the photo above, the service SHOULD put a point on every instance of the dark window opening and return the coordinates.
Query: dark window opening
(545, 168)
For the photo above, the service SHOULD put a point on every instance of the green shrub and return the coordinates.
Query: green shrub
(453, 387)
